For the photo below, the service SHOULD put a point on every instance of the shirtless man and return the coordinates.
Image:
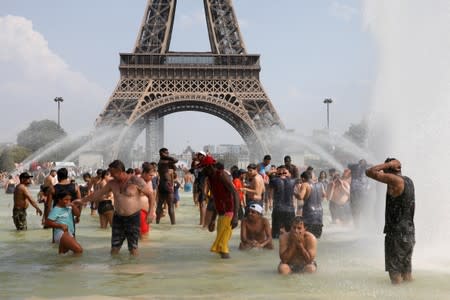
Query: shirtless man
(255, 230)
(22, 199)
(298, 249)
(338, 194)
(255, 189)
(148, 172)
(127, 190)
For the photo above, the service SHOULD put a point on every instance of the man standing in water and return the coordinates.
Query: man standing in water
(399, 219)
(166, 196)
(22, 199)
(226, 202)
(127, 190)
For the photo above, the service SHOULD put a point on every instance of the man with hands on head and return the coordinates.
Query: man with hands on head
(399, 219)
(298, 249)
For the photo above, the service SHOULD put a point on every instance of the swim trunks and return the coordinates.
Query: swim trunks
(300, 268)
(105, 206)
(398, 249)
(126, 227)
(20, 218)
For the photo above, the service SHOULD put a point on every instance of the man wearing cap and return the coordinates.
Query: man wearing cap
(399, 219)
(298, 249)
(226, 202)
(22, 199)
(255, 229)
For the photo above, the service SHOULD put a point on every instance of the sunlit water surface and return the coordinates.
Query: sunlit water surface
(175, 263)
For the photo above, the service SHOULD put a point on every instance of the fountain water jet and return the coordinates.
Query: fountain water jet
(411, 107)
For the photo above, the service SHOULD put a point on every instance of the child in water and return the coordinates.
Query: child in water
(61, 219)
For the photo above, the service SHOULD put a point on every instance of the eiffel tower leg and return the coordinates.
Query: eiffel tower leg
(154, 136)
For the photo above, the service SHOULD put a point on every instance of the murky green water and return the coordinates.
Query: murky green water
(175, 263)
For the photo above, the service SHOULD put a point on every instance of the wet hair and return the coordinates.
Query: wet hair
(324, 173)
(147, 167)
(117, 164)
(287, 158)
(86, 175)
(104, 173)
(389, 159)
(309, 168)
(306, 175)
(297, 220)
(219, 165)
(162, 150)
(252, 166)
(233, 169)
(62, 194)
(99, 172)
(130, 171)
(62, 174)
(267, 157)
(235, 174)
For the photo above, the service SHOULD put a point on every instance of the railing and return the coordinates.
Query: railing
(181, 59)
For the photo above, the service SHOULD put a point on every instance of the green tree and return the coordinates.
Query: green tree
(357, 133)
(39, 134)
(12, 155)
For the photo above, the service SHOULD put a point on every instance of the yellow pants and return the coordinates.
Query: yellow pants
(224, 231)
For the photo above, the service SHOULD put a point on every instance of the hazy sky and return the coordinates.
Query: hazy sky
(310, 50)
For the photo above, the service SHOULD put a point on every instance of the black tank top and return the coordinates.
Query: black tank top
(399, 215)
(71, 188)
(312, 209)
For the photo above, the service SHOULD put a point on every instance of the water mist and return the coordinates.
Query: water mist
(411, 107)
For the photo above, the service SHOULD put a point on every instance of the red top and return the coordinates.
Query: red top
(222, 196)
(238, 185)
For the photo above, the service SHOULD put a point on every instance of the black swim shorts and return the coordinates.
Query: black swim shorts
(126, 227)
(398, 249)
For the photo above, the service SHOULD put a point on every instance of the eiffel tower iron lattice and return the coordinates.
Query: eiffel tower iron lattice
(155, 82)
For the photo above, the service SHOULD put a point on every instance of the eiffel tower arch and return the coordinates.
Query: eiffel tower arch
(155, 82)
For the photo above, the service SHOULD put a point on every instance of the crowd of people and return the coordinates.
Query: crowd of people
(268, 202)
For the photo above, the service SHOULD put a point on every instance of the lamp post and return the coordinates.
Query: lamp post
(328, 101)
(59, 100)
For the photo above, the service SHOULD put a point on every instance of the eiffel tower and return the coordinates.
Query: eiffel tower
(155, 82)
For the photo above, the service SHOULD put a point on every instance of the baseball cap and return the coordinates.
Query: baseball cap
(256, 207)
(208, 160)
(25, 175)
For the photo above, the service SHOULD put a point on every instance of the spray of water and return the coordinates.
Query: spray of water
(323, 146)
(411, 105)
(96, 142)
(50, 148)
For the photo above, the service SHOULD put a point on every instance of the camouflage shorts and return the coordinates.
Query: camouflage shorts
(129, 228)
(20, 218)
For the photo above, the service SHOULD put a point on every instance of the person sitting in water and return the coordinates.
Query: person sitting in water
(298, 249)
(61, 219)
(255, 230)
